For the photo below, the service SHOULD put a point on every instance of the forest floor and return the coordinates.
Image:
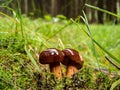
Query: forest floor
(21, 41)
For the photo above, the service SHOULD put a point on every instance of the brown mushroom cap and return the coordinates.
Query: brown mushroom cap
(72, 56)
(50, 55)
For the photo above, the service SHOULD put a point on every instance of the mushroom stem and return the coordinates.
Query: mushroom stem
(71, 69)
(56, 69)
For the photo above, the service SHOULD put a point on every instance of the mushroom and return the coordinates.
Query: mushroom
(53, 57)
(73, 60)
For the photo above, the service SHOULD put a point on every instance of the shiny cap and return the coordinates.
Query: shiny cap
(50, 55)
(72, 56)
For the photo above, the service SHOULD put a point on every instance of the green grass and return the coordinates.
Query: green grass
(19, 53)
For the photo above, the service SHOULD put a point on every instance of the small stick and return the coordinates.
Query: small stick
(118, 67)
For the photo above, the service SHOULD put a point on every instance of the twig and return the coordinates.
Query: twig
(118, 67)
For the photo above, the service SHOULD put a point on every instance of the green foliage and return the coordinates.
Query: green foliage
(19, 58)
(48, 17)
(94, 41)
(22, 39)
(14, 71)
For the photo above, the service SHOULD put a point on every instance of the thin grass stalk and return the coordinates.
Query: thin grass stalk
(7, 16)
(32, 59)
(60, 30)
(116, 60)
(20, 18)
(90, 34)
(12, 19)
(118, 67)
(102, 10)
(107, 52)
(115, 84)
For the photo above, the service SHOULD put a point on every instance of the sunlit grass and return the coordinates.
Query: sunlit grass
(41, 34)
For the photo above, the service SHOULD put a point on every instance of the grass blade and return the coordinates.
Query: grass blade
(116, 83)
(90, 34)
(32, 59)
(61, 29)
(112, 56)
(102, 10)
(7, 16)
(118, 67)
(116, 60)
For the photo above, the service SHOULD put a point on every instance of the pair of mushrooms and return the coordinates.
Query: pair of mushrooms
(68, 57)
